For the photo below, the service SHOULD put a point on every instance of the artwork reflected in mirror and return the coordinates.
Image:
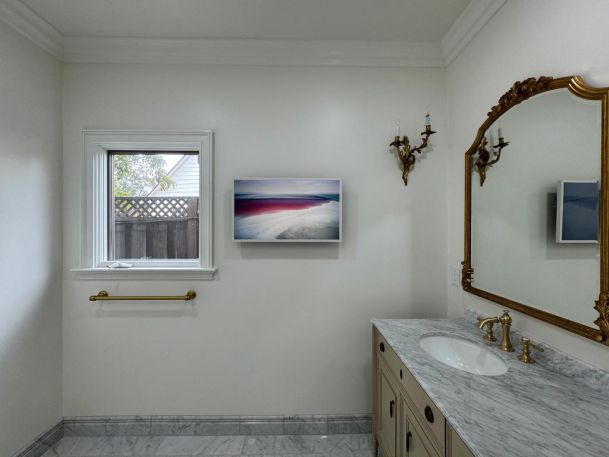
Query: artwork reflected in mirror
(577, 217)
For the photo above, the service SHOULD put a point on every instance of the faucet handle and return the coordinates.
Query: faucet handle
(505, 318)
(527, 344)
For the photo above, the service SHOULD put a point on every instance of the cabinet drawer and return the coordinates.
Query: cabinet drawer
(429, 416)
(427, 412)
(391, 358)
(416, 443)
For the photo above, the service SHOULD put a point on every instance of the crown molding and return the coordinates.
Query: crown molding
(25, 21)
(73, 49)
(251, 52)
(473, 19)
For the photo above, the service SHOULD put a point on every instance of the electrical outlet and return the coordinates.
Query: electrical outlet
(455, 275)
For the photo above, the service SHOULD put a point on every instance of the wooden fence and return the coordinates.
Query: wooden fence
(156, 228)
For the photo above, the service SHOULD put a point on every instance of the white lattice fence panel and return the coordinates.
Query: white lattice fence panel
(155, 207)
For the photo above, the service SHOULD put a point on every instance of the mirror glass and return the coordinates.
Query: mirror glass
(546, 178)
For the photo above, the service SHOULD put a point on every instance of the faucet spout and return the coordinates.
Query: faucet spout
(488, 320)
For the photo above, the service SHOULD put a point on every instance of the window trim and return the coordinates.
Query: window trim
(96, 145)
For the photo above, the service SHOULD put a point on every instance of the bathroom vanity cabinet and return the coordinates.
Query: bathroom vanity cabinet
(406, 423)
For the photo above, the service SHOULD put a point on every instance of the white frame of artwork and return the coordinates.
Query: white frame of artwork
(340, 211)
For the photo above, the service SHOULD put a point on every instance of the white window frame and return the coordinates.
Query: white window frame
(96, 145)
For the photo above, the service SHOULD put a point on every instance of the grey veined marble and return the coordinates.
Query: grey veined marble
(530, 411)
(359, 445)
(556, 360)
(215, 425)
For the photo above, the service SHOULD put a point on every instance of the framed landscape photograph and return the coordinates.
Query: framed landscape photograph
(287, 210)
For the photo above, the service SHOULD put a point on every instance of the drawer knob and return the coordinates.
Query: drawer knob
(408, 438)
(382, 347)
(391, 403)
(401, 374)
(429, 414)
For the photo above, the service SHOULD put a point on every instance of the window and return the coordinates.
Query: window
(153, 206)
(147, 205)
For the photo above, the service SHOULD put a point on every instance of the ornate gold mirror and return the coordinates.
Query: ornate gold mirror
(537, 205)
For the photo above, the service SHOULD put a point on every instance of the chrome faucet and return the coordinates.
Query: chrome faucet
(506, 322)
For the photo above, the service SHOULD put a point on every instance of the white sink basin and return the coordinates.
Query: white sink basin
(463, 355)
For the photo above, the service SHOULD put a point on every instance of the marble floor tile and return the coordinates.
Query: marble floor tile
(89, 446)
(366, 453)
(225, 445)
(183, 445)
(346, 445)
(258, 445)
(135, 446)
(321, 444)
(357, 442)
(291, 444)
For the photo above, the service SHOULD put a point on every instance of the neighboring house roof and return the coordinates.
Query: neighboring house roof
(185, 175)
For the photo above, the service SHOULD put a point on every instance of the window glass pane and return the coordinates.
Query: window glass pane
(154, 208)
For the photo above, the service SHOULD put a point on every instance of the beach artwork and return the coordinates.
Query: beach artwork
(287, 209)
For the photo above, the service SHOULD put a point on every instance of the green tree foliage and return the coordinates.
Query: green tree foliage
(135, 175)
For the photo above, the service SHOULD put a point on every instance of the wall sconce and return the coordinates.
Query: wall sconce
(404, 150)
(484, 161)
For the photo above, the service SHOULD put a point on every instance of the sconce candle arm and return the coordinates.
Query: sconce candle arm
(484, 161)
(406, 153)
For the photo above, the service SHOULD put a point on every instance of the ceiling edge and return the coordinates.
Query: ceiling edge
(473, 19)
(25, 21)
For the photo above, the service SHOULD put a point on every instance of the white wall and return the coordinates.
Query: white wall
(525, 38)
(284, 329)
(30, 246)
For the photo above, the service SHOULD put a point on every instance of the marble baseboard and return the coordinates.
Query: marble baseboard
(216, 425)
(43, 443)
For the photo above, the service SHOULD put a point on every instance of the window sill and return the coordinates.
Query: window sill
(154, 274)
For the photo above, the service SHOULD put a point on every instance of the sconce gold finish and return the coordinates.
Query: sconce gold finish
(484, 161)
(527, 344)
(489, 329)
(103, 295)
(406, 153)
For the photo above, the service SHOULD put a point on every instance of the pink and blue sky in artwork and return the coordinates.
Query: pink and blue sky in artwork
(287, 209)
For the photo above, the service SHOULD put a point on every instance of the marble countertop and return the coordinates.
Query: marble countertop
(532, 410)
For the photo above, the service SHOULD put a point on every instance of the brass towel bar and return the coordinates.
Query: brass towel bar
(103, 295)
